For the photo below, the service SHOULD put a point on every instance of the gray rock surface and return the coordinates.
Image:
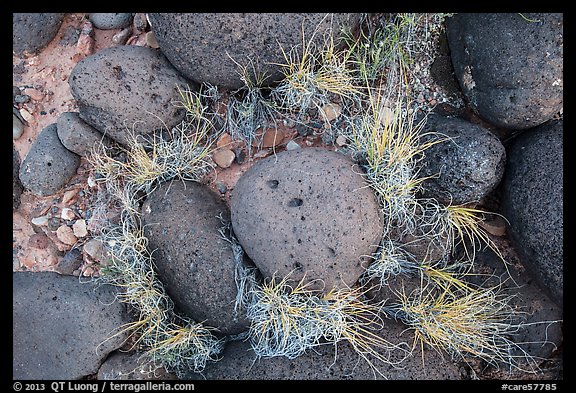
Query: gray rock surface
(307, 211)
(17, 127)
(120, 366)
(205, 46)
(510, 69)
(465, 167)
(62, 328)
(110, 20)
(78, 136)
(16, 185)
(32, 32)
(532, 201)
(127, 88)
(71, 261)
(182, 224)
(541, 331)
(329, 363)
(48, 166)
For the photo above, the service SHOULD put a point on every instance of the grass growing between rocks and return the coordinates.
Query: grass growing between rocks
(445, 312)
(170, 340)
(371, 79)
(288, 320)
(465, 321)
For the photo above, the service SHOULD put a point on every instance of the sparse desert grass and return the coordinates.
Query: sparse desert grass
(313, 75)
(169, 339)
(287, 320)
(250, 107)
(466, 323)
(370, 79)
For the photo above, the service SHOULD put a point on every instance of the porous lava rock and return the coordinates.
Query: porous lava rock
(183, 223)
(307, 212)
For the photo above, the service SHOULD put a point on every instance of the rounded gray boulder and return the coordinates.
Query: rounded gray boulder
(48, 166)
(32, 32)
(466, 165)
(110, 20)
(206, 47)
(307, 213)
(127, 88)
(509, 65)
(78, 136)
(182, 221)
(16, 185)
(532, 201)
(63, 328)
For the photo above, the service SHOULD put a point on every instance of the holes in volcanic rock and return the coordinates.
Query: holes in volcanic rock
(273, 184)
(295, 202)
(297, 265)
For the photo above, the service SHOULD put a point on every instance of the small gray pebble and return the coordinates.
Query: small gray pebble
(21, 98)
(292, 146)
(17, 127)
(221, 187)
(53, 223)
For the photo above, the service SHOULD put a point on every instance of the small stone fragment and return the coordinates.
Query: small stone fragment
(39, 241)
(122, 36)
(224, 140)
(79, 228)
(27, 116)
(271, 137)
(140, 22)
(17, 127)
(88, 272)
(151, 40)
(67, 214)
(221, 187)
(94, 249)
(35, 94)
(330, 112)
(66, 235)
(40, 221)
(71, 261)
(68, 195)
(341, 140)
(292, 146)
(262, 153)
(223, 157)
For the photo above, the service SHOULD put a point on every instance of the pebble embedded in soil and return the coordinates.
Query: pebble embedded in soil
(94, 249)
(79, 228)
(17, 127)
(66, 235)
(223, 157)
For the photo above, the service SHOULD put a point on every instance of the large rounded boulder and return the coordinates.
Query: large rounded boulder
(32, 32)
(307, 213)
(126, 89)
(48, 166)
(209, 47)
(63, 328)
(532, 201)
(509, 65)
(17, 188)
(465, 165)
(183, 223)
